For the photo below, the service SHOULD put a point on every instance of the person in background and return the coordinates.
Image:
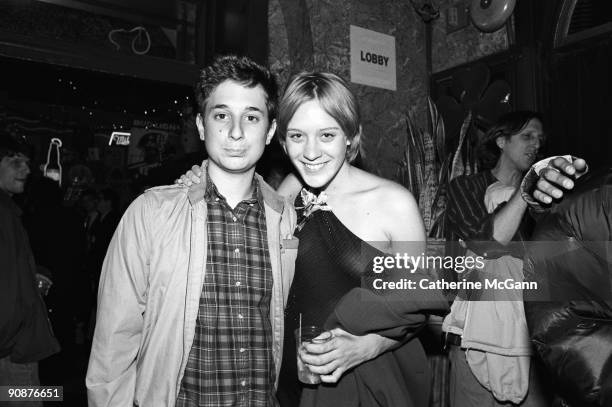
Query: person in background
(570, 316)
(26, 336)
(58, 243)
(102, 229)
(507, 151)
(568, 204)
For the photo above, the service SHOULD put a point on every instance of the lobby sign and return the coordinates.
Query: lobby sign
(372, 58)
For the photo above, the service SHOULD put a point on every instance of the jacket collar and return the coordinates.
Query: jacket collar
(270, 197)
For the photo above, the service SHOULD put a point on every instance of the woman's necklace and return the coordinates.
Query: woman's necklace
(310, 204)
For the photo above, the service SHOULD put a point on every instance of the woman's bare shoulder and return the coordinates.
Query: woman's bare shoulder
(388, 193)
(396, 209)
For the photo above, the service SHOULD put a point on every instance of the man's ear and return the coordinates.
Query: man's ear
(200, 126)
(501, 142)
(271, 132)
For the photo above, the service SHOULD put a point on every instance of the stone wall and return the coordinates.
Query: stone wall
(314, 34)
(464, 45)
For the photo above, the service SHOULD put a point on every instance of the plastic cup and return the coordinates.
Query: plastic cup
(308, 335)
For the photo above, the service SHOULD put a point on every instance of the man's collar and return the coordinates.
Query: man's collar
(212, 192)
(271, 198)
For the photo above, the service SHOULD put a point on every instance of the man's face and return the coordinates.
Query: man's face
(235, 127)
(521, 149)
(14, 171)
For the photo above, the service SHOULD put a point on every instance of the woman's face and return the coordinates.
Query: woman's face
(315, 144)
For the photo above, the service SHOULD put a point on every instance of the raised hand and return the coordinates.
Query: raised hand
(557, 177)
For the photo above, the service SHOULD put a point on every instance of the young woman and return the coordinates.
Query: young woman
(346, 216)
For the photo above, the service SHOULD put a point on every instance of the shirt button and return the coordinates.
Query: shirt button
(240, 316)
(237, 250)
(216, 199)
(243, 383)
(234, 219)
(237, 283)
(242, 350)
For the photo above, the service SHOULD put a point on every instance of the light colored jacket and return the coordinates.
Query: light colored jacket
(494, 333)
(150, 290)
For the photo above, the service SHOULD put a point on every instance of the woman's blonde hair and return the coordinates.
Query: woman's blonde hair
(335, 98)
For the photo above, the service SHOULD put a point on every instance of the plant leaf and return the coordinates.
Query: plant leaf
(457, 167)
(437, 130)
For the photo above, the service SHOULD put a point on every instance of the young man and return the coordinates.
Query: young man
(25, 331)
(509, 149)
(194, 283)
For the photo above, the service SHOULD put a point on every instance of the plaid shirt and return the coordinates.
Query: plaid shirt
(231, 361)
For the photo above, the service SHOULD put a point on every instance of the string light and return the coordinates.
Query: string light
(167, 114)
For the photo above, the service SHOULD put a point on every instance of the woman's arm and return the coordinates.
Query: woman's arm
(344, 351)
(399, 217)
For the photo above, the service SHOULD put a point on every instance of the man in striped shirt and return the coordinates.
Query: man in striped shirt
(507, 151)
